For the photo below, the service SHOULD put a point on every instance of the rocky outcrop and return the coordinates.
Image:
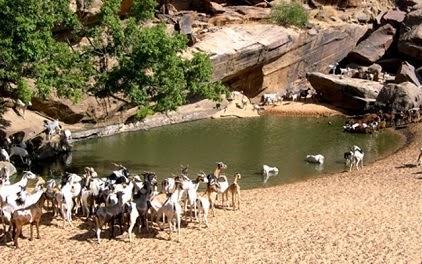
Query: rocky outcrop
(88, 110)
(394, 17)
(375, 46)
(400, 97)
(407, 73)
(410, 42)
(196, 111)
(344, 92)
(257, 57)
(9, 167)
(339, 3)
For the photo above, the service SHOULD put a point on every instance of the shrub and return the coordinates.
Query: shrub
(287, 14)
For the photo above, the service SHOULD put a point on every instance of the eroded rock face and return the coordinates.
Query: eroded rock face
(410, 42)
(400, 97)
(344, 92)
(89, 109)
(407, 73)
(374, 47)
(340, 3)
(254, 58)
(394, 17)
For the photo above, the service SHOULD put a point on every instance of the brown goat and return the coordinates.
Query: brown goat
(234, 189)
(29, 215)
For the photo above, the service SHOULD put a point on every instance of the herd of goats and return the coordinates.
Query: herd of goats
(365, 124)
(125, 199)
(119, 198)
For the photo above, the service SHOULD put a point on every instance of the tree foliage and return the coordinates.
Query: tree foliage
(123, 55)
(28, 48)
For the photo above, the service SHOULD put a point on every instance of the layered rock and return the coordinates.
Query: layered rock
(407, 73)
(257, 57)
(344, 92)
(410, 42)
(400, 97)
(394, 17)
(375, 46)
(88, 110)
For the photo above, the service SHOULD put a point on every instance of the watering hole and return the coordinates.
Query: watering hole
(243, 144)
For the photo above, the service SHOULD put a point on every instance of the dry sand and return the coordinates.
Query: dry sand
(289, 108)
(368, 216)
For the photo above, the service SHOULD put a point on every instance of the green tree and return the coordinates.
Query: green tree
(149, 67)
(28, 48)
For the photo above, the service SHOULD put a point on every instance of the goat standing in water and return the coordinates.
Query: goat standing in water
(354, 158)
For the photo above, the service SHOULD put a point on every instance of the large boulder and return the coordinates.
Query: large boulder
(407, 73)
(344, 92)
(400, 97)
(375, 46)
(410, 42)
(394, 17)
(9, 167)
(408, 4)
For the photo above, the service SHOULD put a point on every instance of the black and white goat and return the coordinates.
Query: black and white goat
(354, 157)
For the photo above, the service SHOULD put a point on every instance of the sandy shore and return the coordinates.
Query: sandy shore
(368, 216)
(289, 108)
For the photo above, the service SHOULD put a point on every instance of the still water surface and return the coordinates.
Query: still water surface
(243, 144)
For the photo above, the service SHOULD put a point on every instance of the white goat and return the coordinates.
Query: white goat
(4, 176)
(51, 127)
(203, 209)
(267, 170)
(270, 99)
(318, 159)
(333, 68)
(191, 189)
(172, 209)
(126, 197)
(71, 189)
(7, 190)
(133, 216)
(4, 156)
(19, 104)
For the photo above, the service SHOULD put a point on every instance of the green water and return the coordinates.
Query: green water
(243, 144)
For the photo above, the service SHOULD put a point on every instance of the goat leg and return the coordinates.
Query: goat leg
(238, 201)
(37, 225)
(32, 227)
(18, 231)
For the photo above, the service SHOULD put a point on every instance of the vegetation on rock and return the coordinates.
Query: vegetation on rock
(289, 14)
(37, 43)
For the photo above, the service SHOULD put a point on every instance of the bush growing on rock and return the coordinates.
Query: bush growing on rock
(287, 14)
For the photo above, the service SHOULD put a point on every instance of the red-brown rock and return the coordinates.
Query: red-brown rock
(407, 73)
(374, 47)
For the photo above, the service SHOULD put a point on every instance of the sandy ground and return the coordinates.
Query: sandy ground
(290, 108)
(368, 216)
(31, 122)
